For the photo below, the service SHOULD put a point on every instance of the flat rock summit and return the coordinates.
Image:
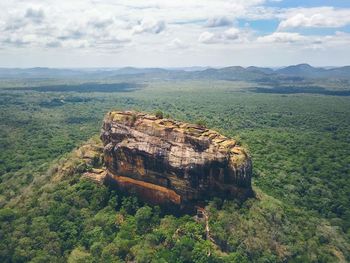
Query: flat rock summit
(165, 161)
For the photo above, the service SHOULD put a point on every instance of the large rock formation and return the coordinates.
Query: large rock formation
(163, 160)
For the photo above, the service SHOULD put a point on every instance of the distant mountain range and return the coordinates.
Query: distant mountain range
(304, 71)
(307, 71)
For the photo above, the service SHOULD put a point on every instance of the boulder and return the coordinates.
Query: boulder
(166, 161)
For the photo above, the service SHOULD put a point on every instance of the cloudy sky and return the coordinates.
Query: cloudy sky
(173, 33)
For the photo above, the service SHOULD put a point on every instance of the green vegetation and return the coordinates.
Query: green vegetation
(159, 114)
(201, 122)
(301, 154)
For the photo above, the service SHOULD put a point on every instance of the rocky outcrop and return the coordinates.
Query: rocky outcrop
(166, 161)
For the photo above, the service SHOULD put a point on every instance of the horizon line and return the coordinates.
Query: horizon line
(171, 67)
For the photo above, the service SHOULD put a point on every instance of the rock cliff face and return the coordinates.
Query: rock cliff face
(166, 161)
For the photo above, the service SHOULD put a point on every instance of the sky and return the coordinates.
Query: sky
(173, 33)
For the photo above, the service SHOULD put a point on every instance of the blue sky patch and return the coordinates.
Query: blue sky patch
(260, 26)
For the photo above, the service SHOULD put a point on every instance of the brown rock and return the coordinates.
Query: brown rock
(163, 160)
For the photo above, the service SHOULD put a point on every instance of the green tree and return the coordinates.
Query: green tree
(145, 219)
(129, 205)
(79, 255)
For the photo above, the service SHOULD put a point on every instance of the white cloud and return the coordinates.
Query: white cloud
(100, 22)
(281, 37)
(178, 44)
(218, 21)
(53, 44)
(232, 34)
(157, 28)
(90, 19)
(208, 38)
(149, 25)
(36, 15)
(338, 39)
(315, 17)
(92, 28)
(227, 36)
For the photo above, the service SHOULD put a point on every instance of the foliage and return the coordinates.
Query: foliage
(201, 122)
(300, 149)
(159, 114)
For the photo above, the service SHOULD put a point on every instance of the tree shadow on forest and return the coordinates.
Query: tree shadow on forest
(85, 87)
(296, 90)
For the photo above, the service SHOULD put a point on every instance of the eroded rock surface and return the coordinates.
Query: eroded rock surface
(163, 160)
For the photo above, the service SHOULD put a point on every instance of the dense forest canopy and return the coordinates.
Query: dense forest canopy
(299, 143)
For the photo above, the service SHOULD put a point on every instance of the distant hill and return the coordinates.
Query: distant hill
(231, 73)
(37, 72)
(302, 70)
(259, 69)
(226, 73)
(342, 72)
(307, 71)
(132, 71)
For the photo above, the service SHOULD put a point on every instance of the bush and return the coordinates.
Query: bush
(201, 123)
(159, 114)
